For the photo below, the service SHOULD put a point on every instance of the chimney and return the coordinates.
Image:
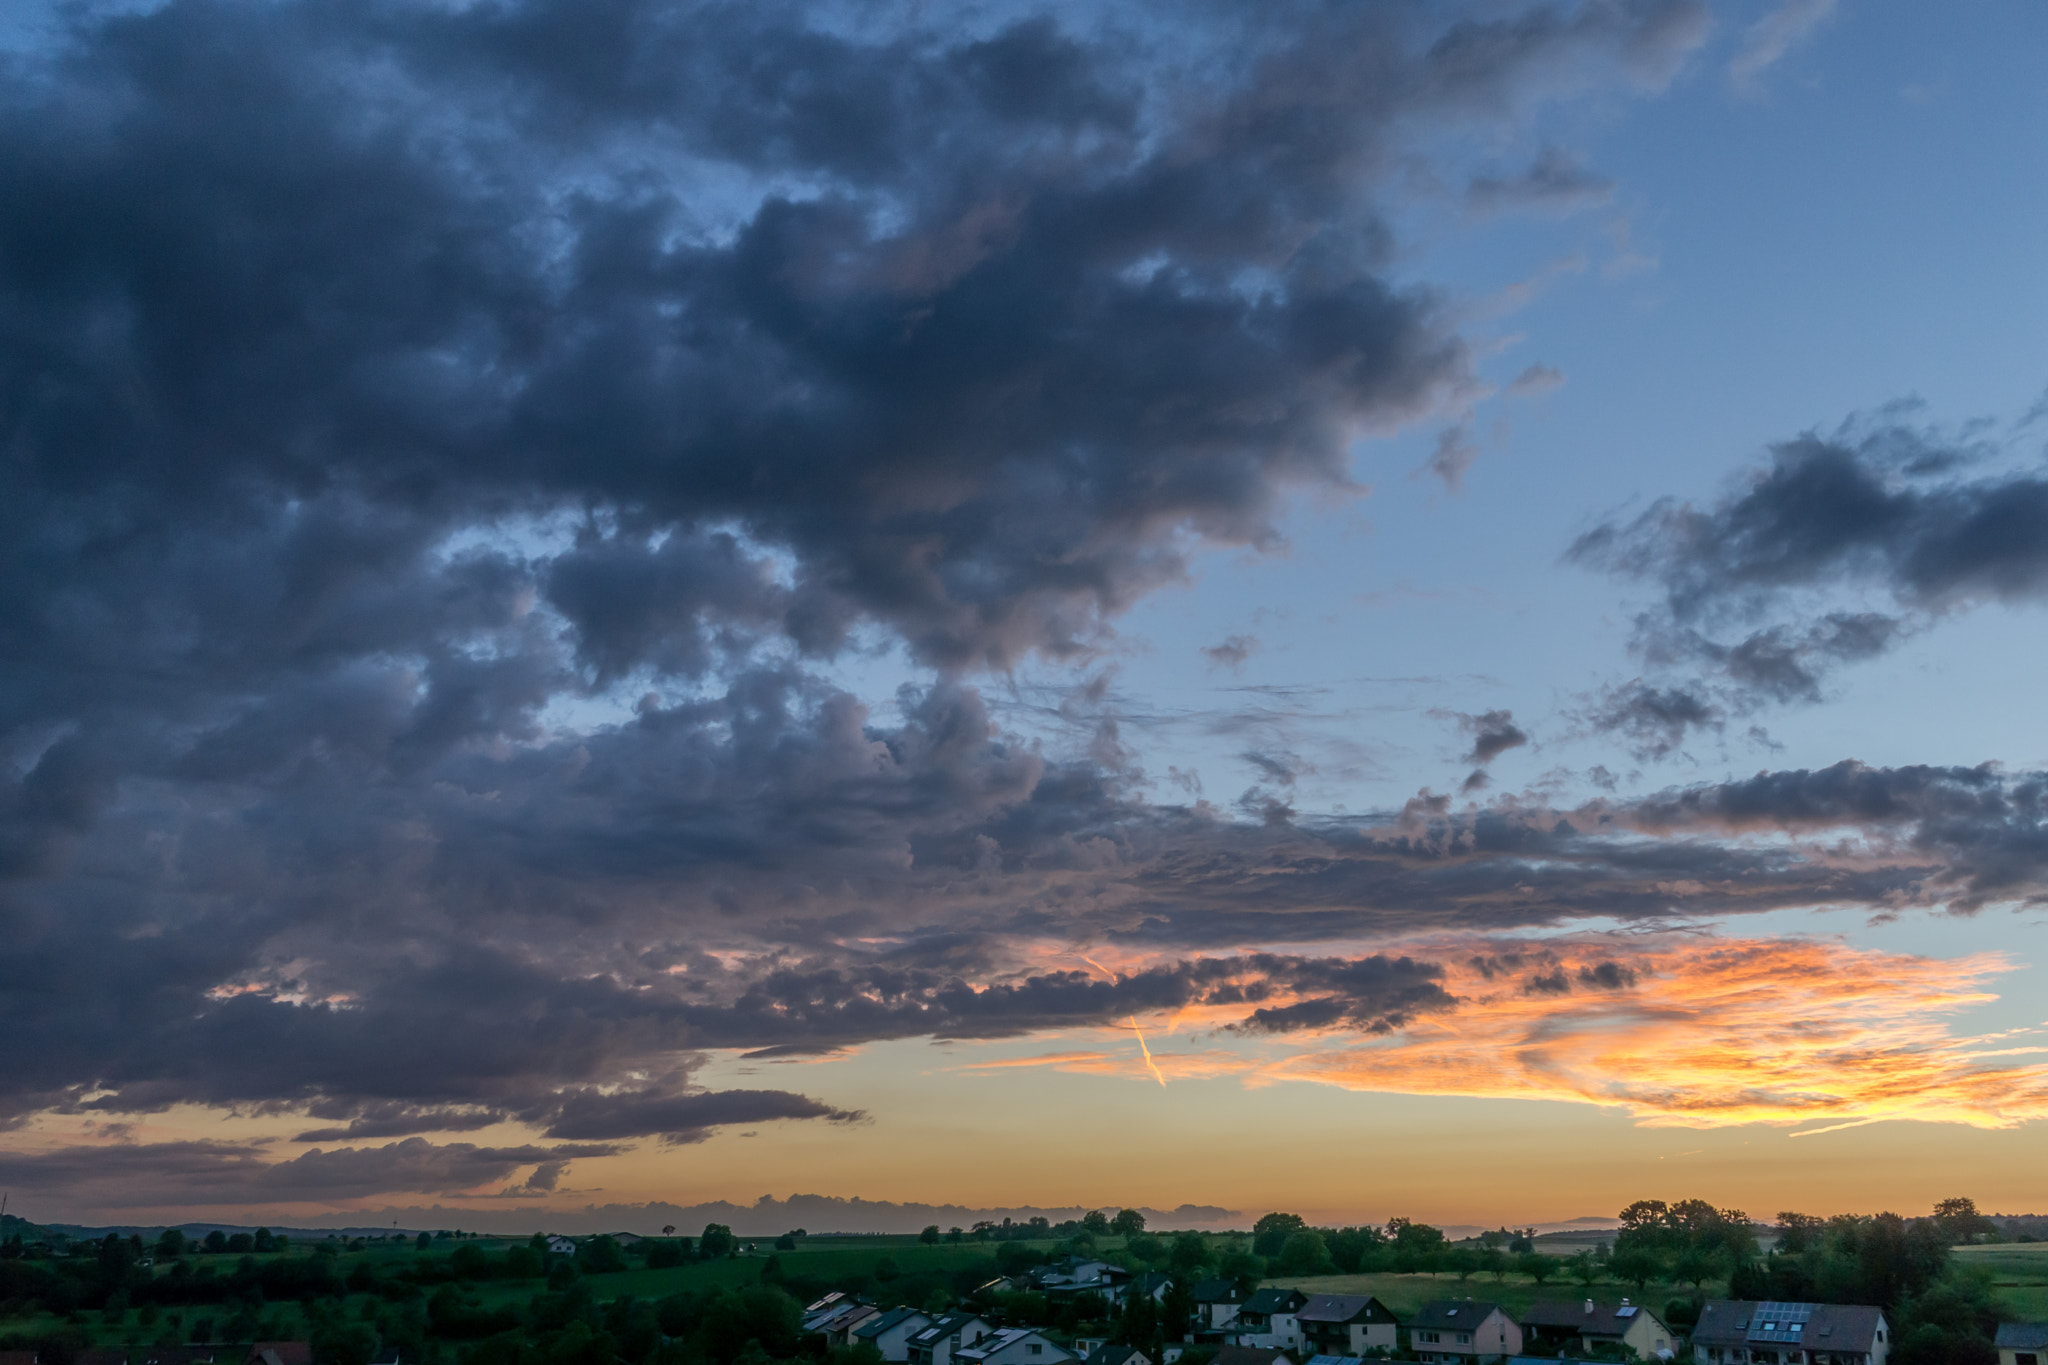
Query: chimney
(1624, 1300)
(1589, 1308)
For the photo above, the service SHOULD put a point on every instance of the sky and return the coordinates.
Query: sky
(617, 610)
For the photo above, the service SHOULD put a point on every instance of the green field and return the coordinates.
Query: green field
(2019, 1275)
(818, 1258)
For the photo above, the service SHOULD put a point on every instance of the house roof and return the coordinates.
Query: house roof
(1251, 1355)
(944, 1327)
(1590, 1317)
(1151, 1282)
(998, 1340)
(2022, 1336)
(1115, 1353)
(1269, 1301)
(883, 1322)
(1342, 1308)
(1454, 1314)
(853, 1317)
(281, 1353)
(1336, 1360)
(1815, 1326)
(1217, 1291)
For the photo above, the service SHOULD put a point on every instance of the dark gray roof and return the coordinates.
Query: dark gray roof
(1841, 1327)
(1814, 1326)
(882, 1322)
(1345, 1308)
(1218, 1291)
(1251, 1355)
(944, 1327)
(1604, 1319)
(2022, 1336)
(1269, 1301)
(1723, 1322)
(1453, 1314)
(1112, 1353)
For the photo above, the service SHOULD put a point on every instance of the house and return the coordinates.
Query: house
(1450, 1331)
(1153, 1285)
(2022, 1343)
(1579, 1327)
(1346, 1325)
(890, 1332)
(1216, 1305)
(1111, 1353)
(1074, 1275)
(628, 1239)
(1739, 1332)
(1268, 1319)
(840, 1331)
(1013, 1346)
(17, 1358)
(1251, 1355)
(280, 1353)
(561, 1246)
(935, 1345)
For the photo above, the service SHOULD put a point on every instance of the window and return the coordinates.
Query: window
(1036, 1349)
(2025, 1358)
(1464, 1338)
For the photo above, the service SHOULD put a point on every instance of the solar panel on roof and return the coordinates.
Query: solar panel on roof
(1779, 1322)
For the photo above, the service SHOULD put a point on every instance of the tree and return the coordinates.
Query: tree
(953, 1234)
(1243, 1267)
(423, 1242)
(1304, 1253)
(930, 1235)
(1095, 1221)
(717, 1243)
(1537, 1266)
(1960, 1222)
(1634, 1265)
(602, 1256)
(1494, 1262)
(170, 1243)
(1190, 1254)
(1127, 1223)
(216, 1241)
(1585, 1268)
(1799, 1232)
(1176, 1312)
(1271, 1232)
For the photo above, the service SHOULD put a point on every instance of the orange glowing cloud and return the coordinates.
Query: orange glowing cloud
(1710, 1033)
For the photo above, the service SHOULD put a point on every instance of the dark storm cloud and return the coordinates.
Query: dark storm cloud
(161, 1174)
(678, 1118)
(392, 393)
(1886, 510)
(1493, 734)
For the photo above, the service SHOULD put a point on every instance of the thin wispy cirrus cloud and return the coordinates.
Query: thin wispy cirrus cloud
(467, 468)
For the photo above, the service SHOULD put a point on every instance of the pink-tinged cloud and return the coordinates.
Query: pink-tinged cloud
(1707, 1034)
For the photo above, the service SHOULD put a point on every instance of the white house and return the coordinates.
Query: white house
(1346, 1324)
(1268, 1320)
(561, 1246)
(1013, 1346)
(1456, 1331)
(1741, 1332)
(936, 1344)
(890, 1332)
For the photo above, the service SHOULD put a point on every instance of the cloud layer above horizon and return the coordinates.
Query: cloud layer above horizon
(456, 456)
